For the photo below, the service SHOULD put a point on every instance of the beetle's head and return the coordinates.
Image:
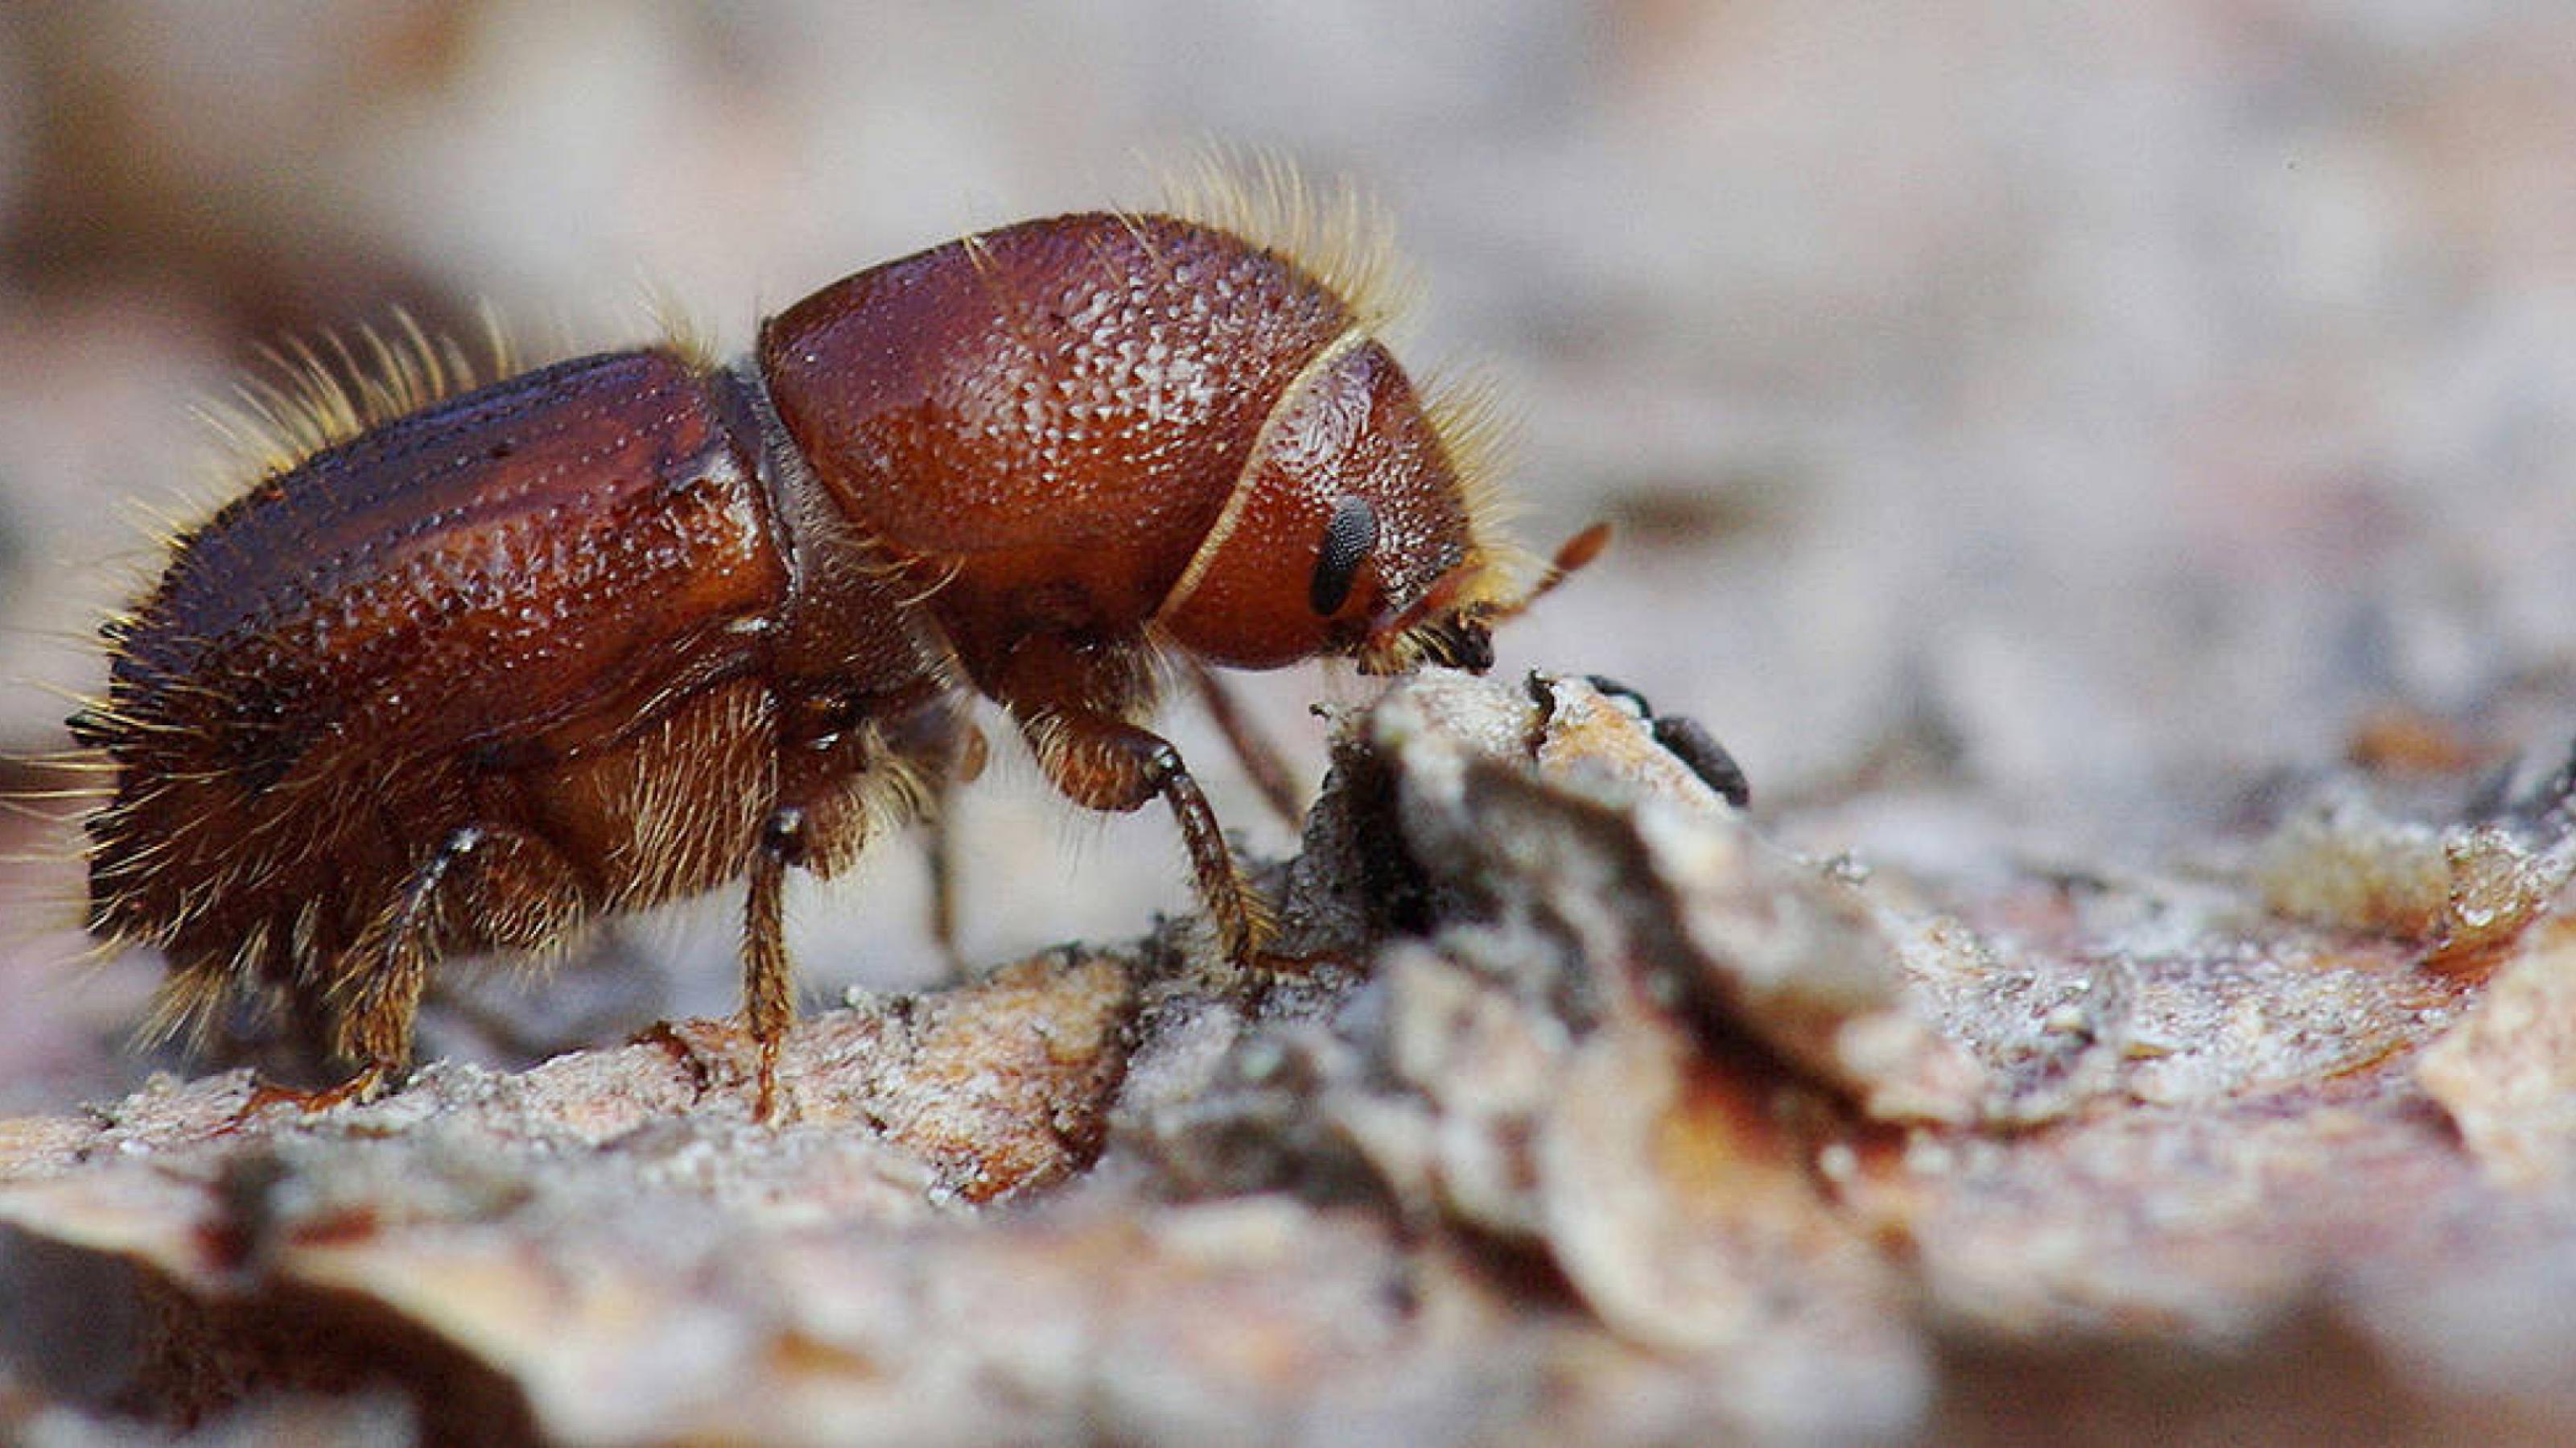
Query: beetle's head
(1356, 531)
(1453, 621)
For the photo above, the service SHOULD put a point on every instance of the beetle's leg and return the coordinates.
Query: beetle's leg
(959, 761)
(768, 979)
(380, 979)
(940, 845)
(1262, 761)
(1105, 763)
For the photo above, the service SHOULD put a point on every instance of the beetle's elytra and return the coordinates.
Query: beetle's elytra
(473, 664)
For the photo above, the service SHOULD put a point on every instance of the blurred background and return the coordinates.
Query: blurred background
(2089, 409)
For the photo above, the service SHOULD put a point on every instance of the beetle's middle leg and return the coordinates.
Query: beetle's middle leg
(1259, 754)
(768, 976)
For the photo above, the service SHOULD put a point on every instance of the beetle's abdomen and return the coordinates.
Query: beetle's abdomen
(1064, 403)
(304, 702)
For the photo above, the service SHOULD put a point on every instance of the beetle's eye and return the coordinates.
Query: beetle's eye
(1347, 541)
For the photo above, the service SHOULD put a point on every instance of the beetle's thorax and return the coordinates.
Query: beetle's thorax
(1099, 433)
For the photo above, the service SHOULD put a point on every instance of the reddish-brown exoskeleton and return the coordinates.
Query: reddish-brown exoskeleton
(470, 666)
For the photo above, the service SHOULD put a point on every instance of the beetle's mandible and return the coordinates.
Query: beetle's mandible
(472, 664)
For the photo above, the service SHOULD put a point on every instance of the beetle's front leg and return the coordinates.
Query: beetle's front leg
(1105, 763)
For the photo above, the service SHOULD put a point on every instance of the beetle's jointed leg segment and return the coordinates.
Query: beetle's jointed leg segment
(768, 977)
(376, 998)
(1105, 763)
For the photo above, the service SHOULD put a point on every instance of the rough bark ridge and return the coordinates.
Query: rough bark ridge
(1589, 1110)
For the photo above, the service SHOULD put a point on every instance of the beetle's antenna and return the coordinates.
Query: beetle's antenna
(1572, 555)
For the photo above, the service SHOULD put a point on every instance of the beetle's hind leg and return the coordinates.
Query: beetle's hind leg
(369, 1000)
(375, 994)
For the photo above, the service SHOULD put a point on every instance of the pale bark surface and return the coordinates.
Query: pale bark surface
(1591, 1113)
